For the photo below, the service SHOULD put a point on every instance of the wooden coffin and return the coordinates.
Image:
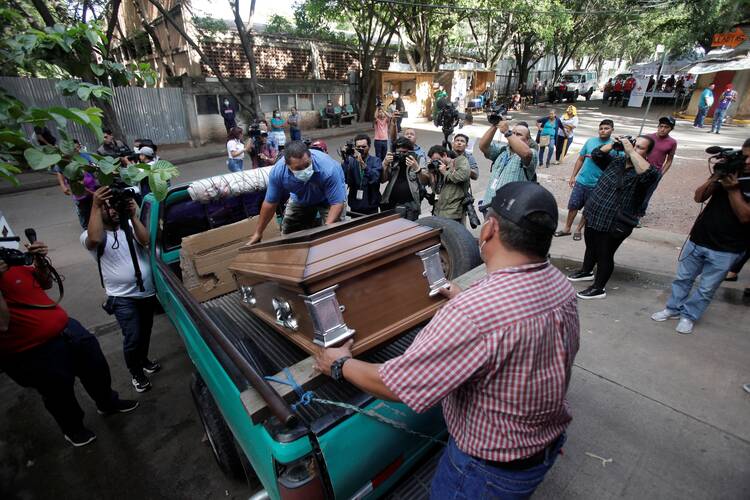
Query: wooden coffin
(366, 271)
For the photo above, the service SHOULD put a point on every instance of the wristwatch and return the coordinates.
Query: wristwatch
(337, 368)
(508, 133)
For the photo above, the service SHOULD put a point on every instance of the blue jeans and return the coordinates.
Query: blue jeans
(718, 118)
(234, 164)
(702, 112)
(136, 318)
(550, 151)
(711, 265)
(295, 133)
(459, 475)
(51, 368)
(381, 148)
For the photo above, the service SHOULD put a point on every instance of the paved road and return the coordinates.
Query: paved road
(667, 409)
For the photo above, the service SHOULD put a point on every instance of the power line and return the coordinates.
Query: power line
(652, 5)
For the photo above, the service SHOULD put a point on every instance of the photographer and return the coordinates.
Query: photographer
(513, 162)
(42, 348)
(460, 142)
(112, 147)
(450, 183)
(405, 178)
(718, 238)
(362, 174)
(264, 154)
(399, 108)
(611, 208)
(132, 306)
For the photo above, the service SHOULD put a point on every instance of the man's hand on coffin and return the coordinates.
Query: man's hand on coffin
(324, 358)
(255, 238)
(450, 291)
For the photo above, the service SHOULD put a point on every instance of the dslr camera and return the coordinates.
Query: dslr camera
(121, 196)
(348, 149)
(497, 113)
(13, 257)
(617, 145)
(434, 166)
(399, 159)
(726, 161)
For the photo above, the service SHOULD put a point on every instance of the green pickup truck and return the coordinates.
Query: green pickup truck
(311, 451)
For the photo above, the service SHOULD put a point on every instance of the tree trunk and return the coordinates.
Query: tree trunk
(246, 40)
(112, 23)
(44, 12)
(154, 38)
(109, 117)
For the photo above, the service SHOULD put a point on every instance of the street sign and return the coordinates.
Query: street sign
(732, 39)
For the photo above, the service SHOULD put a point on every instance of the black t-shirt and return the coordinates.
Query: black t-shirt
(401, 192)
(718, 227)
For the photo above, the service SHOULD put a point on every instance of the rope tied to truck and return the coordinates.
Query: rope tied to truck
(308, 397)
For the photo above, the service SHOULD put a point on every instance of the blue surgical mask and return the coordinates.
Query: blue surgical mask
(304, 175)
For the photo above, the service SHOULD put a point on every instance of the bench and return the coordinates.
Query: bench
(347, 113)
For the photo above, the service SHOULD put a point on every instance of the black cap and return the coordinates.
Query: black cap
(667, 120)
(515, 201)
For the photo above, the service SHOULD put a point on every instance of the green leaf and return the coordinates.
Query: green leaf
(39, 160)
(158, 186)
(84, 93)
(104, 179)
(73, 171)
(8, 172)
(77, 187)
(97, 69)
(67, 147)
(93, 37)
(108, 165)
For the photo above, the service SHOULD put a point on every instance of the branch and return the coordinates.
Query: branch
(44, 11)
(111, 23)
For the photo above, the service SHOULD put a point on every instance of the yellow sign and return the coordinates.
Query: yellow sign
(732, 39)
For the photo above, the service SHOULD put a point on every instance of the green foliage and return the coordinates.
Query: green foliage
(208, 27)
(280, 25)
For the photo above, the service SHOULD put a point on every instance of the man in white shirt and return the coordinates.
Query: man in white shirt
(130, 299)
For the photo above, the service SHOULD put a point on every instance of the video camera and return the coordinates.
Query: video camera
(448, 116)
(497, 113)
(471, 212)
(617, 145)
(726, 161)
(13, 257)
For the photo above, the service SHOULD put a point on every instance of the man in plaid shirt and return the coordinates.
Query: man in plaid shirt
(498, 356)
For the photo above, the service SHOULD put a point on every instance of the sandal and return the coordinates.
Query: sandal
(576, 236)
(562, 233)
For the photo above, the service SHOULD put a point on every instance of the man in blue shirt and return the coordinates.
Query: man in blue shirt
(704, 104)
(585, 176)
(362, 173)
(315, 184)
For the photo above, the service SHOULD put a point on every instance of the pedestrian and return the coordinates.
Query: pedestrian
(607, 91)
(236, 150)
(264, 153)
(41, 347)
(718, 238)
(610, 210)
(725, 101)
(616, 93)
(661, 157)
(705, 101)
(228, 114)
(584, 178)
(131, 296)
(627, 88)
(498, 358)
(536, 91)
(569, 122)
(380, 124)
(277, 129)
(315, 185)
(511, 162)
(295, 132)
(88, 184)
(549, 128)
(112, 147)
(405, 175)
(399, 108)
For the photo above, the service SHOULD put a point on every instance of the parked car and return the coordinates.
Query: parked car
(573, 84)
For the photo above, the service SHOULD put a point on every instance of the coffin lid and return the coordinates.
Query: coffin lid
(313, 254)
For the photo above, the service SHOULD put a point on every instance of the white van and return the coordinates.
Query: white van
(575, 83)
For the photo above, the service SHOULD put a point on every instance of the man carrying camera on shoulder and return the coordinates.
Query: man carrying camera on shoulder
(405, 178)
(450, 183)
(362, 173)
(113, 147)
(719, 236)
(41, 347)
(130, 290)
(513, 162)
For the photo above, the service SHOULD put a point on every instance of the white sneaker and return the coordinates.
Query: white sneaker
(665, 314)
(684, 326)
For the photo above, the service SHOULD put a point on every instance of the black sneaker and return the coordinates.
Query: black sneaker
(121, 406)
(80, 438)
(151, 367)
(581, 276)
(592, 293)
(141, 383)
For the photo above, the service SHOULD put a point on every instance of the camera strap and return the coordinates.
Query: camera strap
(99, 253)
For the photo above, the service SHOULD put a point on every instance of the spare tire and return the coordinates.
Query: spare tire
(459, 251)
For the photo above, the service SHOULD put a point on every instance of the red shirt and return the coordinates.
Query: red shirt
(663, 147)
(618, 86)
(28, 327)
(629, 84)
(499, 357)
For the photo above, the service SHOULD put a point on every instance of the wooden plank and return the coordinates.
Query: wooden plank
(303, 372)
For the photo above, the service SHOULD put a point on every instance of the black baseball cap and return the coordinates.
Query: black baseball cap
(515, 201)
(667, 120)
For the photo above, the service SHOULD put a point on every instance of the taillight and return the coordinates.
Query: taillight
(300, 480)
(380, 478)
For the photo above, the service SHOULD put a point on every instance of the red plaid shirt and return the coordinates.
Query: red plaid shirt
(499, 357)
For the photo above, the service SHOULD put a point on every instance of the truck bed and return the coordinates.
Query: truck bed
(269, 353)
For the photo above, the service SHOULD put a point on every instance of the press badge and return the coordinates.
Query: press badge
(360, 194)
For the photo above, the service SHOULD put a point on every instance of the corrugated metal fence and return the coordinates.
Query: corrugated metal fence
(156, 114)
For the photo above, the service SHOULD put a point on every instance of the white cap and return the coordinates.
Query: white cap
(146, 151)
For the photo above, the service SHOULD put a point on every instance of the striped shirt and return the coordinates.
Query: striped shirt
(499, 357)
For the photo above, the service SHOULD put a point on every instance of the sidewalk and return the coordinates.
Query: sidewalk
(179, 154)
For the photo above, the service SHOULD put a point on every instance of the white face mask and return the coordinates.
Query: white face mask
(304, 175)
(226, 103)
